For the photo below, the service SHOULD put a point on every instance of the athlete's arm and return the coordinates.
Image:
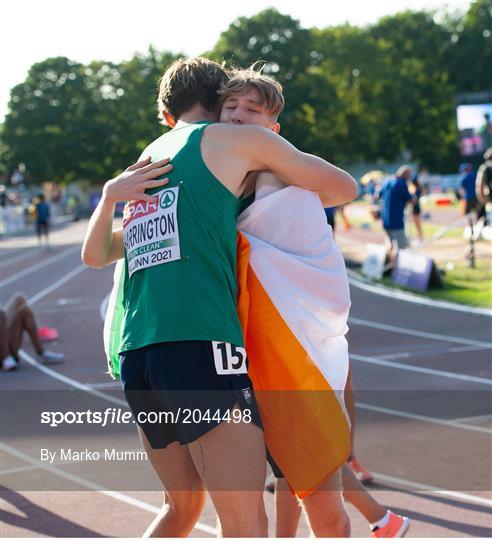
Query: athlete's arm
(102, 245)
(252, 148)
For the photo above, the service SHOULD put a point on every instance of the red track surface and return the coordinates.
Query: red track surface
(410, 430)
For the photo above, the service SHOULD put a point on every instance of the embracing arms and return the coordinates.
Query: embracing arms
(102, 245)
(232, 151)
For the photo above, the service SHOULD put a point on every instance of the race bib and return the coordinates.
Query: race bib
(229, 359)
(150, 230)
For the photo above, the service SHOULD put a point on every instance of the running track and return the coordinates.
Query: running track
(424, 427)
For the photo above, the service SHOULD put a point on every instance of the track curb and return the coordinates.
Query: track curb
(360, 282)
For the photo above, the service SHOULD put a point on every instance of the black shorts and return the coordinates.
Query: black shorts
(42, 228)
(175, 393)
(275, 468)
(470, 205)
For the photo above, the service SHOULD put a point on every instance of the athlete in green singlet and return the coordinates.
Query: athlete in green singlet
(182, 344)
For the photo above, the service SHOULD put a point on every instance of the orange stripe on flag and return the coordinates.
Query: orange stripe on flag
(306, 429)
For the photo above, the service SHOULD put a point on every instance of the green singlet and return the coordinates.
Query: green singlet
(180, 252)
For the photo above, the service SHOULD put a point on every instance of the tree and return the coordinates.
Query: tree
(470, 50)
(46, 115)
(70, 121)
(352, 94)
(283, 47)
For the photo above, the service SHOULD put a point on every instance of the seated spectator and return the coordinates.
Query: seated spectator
(15, 319)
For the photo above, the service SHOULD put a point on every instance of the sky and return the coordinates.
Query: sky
(114, 30)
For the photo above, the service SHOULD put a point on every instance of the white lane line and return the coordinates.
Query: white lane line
(474, 418)
(41, 264)
(4, 472)
(429, 352)
(394, 356)
(95, 487)
(104, 306)
(421, 418)
(418, 333)
(109, 384)
(13, 260)
(57, 284)
(395, 294)
(71, 382)
(419, 369)
(29, 468)
(464, 349)
(461, 496)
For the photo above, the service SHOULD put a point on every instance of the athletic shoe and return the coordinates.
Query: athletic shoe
(360, 473)
(48, 334)
(51, 357)
(9, 364)
(397, 527)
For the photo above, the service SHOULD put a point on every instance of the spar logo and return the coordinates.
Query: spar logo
(167, 199)
(136, 209)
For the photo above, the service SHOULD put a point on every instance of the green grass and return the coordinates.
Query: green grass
(463, 285)
(431, 229)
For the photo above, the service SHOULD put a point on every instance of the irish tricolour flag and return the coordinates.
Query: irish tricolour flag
(293, 304)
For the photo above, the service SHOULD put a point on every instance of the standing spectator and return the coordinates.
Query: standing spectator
(394, 197)
(467, 181)
(42, 220)
(3, 196)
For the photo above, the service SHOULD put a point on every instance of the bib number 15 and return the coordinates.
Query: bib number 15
(229, 359)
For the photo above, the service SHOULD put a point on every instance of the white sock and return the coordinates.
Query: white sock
(382, 522)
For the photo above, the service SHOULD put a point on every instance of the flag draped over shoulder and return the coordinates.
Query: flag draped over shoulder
(293, 304)
(113, 321)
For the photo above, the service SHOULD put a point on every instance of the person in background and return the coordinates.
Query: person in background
(3, 196)
(467, 190)
(345, 219)
(42, 220)
(394, 197)
(16, 319)
(416, 190)
(425, 181)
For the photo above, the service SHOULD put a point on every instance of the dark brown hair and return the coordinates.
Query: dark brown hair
(189, 81)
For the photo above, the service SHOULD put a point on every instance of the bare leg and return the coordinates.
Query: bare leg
(346, 222)
(231, 461)
(24, 320)
(349, 398)
(287, 509)
(181, 507)
(418, 225)
(356, 494)
(325, 510)
(4, 340)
